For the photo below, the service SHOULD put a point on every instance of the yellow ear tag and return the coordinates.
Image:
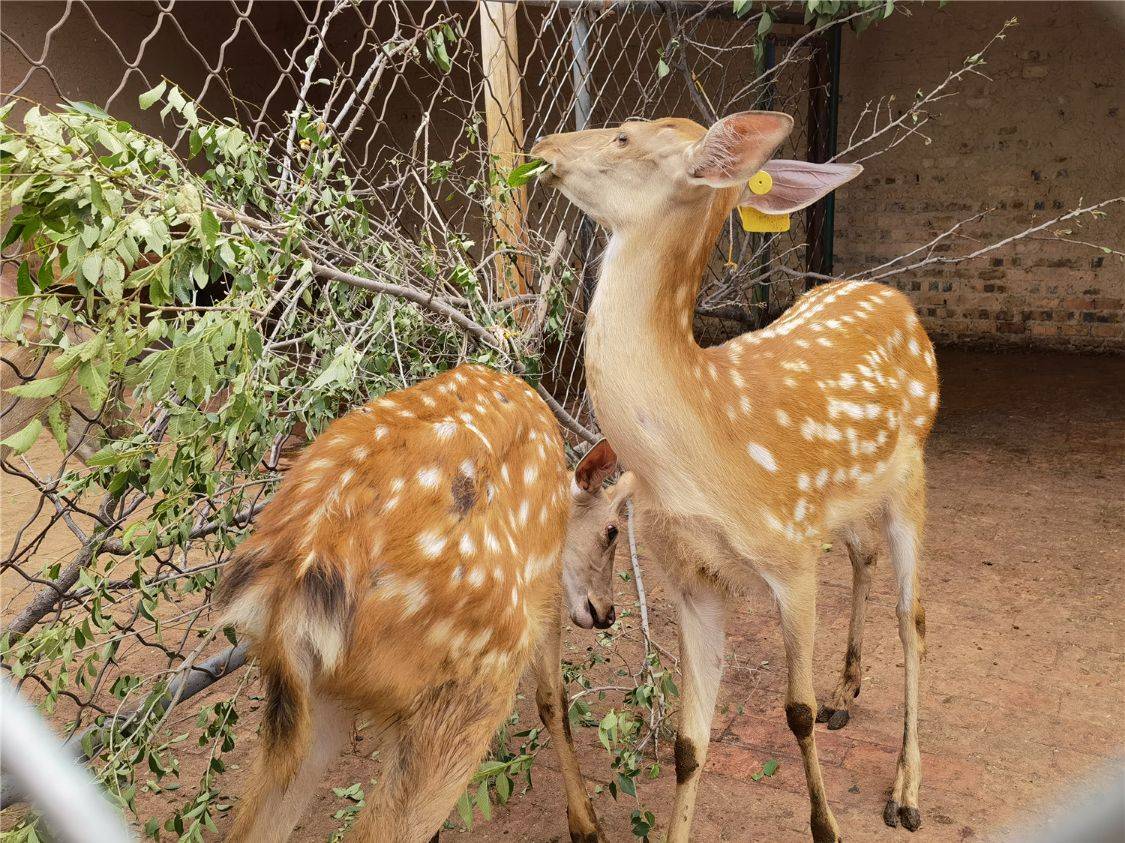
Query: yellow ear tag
(760, 184)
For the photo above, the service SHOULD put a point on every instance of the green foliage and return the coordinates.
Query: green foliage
(178, 296)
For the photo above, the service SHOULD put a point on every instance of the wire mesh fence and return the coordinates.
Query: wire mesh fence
(377, 125)
(400, 117)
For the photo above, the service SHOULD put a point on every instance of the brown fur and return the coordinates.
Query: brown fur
(746, 456)
(407, 569)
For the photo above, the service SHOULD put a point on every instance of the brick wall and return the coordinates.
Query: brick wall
(1042, 137)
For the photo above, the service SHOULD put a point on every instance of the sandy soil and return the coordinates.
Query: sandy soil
(1023, 681)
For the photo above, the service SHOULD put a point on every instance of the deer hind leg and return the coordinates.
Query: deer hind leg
(702, 636)
(550, 697)
(429, 757)
(272, 806)
(796, 599)
(903, 519)
(862, 556)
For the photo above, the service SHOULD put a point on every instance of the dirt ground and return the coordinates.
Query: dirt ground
(1023, 588)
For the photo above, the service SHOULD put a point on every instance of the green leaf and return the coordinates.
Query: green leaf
(770, 767)
(57, 424)
(41, 388)
(483, 803)
(23, 280)
(741, 6)
(661, 69)
(209, 225)
(627, 784)
(465, 809)
(525, 172)
(764, 24)
(92, 267)
(25, 438)
(89, 109)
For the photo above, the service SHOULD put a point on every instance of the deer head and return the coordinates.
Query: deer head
(595, 519)
(638, 173)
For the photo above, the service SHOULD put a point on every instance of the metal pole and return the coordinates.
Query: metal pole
(583, 106)
(74, 808)
(833, 120)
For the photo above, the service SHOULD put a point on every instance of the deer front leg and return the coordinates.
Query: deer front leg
(796, 599)
(702, 636)
(862, 557)
(551, 699)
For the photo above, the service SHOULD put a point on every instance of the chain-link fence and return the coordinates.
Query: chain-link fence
(426, 107)
(399, 118)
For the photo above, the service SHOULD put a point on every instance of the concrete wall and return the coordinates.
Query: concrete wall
(1041, 138)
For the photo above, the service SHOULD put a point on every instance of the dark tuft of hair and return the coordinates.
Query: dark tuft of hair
(279, 719)
(239, 573)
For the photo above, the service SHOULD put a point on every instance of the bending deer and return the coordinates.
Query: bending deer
(408, 569)
(745, 455)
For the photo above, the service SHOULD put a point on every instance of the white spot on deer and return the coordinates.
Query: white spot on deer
(414, 597)
(846, 381)
(822, 478)
(444, 430)
(491, 542)
(429, 477)
(346, 477)
(391, 503)
(840, 476)
(800, 509)
(515, 596)
(397, 485)
(803, 482)
(476, 578)
(790, 382)
(762, 456)
(381, 431)
(431, 543)
(525, 508)
(457, 575)
(744, 405)
(827, 343)
(801, 343)
(917, 389)
(933, 401)
(360, 454)
(479, 641)
(737, 379)
(529, 475)
(920, 421)
(438, 634)
(783, 418)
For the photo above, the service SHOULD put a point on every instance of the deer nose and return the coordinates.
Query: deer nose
(601, 622)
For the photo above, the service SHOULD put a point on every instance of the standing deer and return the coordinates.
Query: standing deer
(408, 569)
(746, 454)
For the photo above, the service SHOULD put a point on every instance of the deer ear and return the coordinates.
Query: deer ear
(797, 184)
(736, 147)
(599, 462)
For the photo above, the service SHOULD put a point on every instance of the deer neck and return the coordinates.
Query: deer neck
(640, 349)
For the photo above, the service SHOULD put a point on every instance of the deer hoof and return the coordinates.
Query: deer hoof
(890, 813)
(838, 719)
(911, 817)
(824, 713)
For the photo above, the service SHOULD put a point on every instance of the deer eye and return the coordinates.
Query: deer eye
(610, 534)
(622, 139)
